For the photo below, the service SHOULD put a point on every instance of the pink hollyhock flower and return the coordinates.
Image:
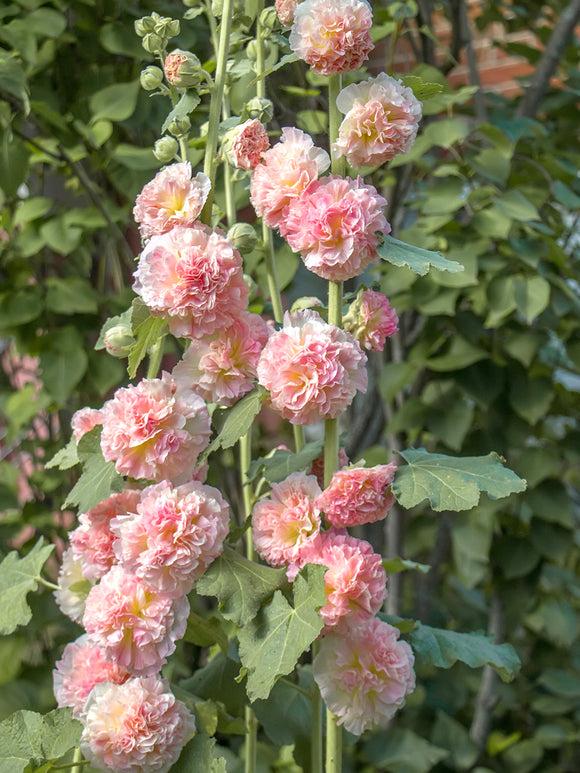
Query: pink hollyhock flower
(317, 466)
(332, 36)
(334, 226)
(364, 674)
(73, 589)
(285, 10)
(371, 320)
(193, 278)
(355, 579)
(171, 199)
(285, 521)
(135, 625)
(84, 420)
(155, 430)
(223, 368)
(92, 541)
(244, 145)
(286, 171)
(358, 495)
(173, 536)
(381, 121)
(311, 369)
(82, 667)
(135, 727)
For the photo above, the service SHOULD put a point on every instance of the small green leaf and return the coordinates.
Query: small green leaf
(287, 713)
(281, 463)
(217, 680)
(562, 683)
(31, 739)
(396, 565)
(72, 295)
(452, 483)
(420, 88)
(402, 751)
(186, 105)
(14, 157)
(147, 330)
(13, 80)
(205, 632)
(66, 458)
(199, 754)
(99, 478)
(63, 362)
(532, 296)
(516, 206)
(19, 576)
(238, 420)
(417, 259)
(286, 59)
(115, 103)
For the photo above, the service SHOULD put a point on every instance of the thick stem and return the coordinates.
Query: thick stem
(273, 288)
(155, 357)
(333, 744)
(316, 751)
(334, 120)
(260, 52)
(298, 436)
(77, 760)
(251, 740)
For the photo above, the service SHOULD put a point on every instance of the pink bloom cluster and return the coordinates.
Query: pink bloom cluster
(358, 495)
(84, 420)
(371, 320)
(332, 36)
(312, 369)
(381, 121)
(285, 10)
(245, 144)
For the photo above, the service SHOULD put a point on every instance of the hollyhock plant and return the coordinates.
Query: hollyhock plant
(286, 171)
(371, 320)
(332, 36)
(193, 278)
(364, 674)
(381, 121)
(358, 495)
(92, 541)
(135, 727)
(285, 10)
(81, 667)
(244, 145)
(74, 587)
(155, 430)
(135, 625)
(334, 227)
(173, 535)
(355, 579)
(221, 369)
(172, 198)
(285, 521)
(312, 369)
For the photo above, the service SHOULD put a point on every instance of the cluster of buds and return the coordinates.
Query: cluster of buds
(156, 31)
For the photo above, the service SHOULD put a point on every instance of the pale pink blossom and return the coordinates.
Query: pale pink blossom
(135, 625)
(81, 667)
(193, 278)
(74, 587)
(285, 10)
(355, 579)
(285, 521)
(172, 198)
(334, 226)
(84, 420)
(371, 320)
(92, 541)
(312, 369)
(358, 495)
(364, 674)
(173, 536)
(244, 145)
(173, 62)
(287, 170)
(317, 466)
(332, 36)
(381, 121)
(135, 727)
(155, 430)
(222, 368)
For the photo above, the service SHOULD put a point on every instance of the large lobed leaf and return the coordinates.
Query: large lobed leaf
(28, 738)
(452, 483)
(99, 478)
(282, 463)
(238, 420)
(19, 576)
(418, 259)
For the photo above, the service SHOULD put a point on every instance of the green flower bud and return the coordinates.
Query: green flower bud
(172, 28)
(252, 286)
(269, 19)
(183, 69)
(243, 237)
(119, 340)
(260, 108)
(151, 78)
(165, 149)
(180, 126)
(153, 43)
(144, 25)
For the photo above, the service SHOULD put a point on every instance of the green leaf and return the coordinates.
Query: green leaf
(471, 536)
(516, 206)
(205, 632)
(31, 209)
(13, 80)
(28, 738)
(147, 330)
(14, 157)
(402, 751)
(395, 565)
(72, 295)
(287, 713)
(286, 59)
(492, 164)
(66, 458)
(531, 397)
(447, 131)
(560, 682)
(241, 586)
(217, 680)
(99, 478)
(199, 754)
(557, 621)
(186, 105)
(19, 576)
(420, 88)
(442, 649)
(60, 235)
(450, 734)
(238, 420)
(417, 259)
(271, 644)
(460, 354)
(63, 362)
(116, 102)
(532, 296)
(281, 464)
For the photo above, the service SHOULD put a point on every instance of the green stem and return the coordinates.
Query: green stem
(273, 289)
(229, 188)
(183, 148)
(47, 584)
(251, 740)
(333, 744)
(334, 120)
(298, 436)
(77, 760)
(260, 53)
(317, 732)
(155, 357)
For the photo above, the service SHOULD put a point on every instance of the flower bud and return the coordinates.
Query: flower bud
(172, 28)
(260, 108)
(144, 26)
(179, 126)
(183, 69)
(151, 78)
(153, 43)
(269, 19)
(119, 340)
(252, 286)
(252, 49)
(243, 237)
(165, 149)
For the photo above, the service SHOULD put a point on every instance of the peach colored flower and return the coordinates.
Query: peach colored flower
(332, 36)
(311, 369)
(222, 369)
(317, 466)
(244, 145)
(286, 171)
(358, 495)
(334, 227)
(173, 536)
(84, 420)
(92, 541)
(381, 121)
(371, 320)
(155, 430)
(364, 674)
(135, 625)
(81, 667)
(171, 199)
(285, 521)
(74, 587)
(355, 578)
(193, 278)
(285, 10)
(135, 727)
